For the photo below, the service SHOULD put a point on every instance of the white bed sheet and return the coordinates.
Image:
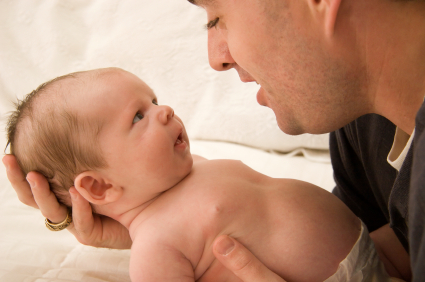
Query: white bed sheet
(30, 252)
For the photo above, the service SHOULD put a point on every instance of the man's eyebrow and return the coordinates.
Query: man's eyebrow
(194, 2)
(201, 2)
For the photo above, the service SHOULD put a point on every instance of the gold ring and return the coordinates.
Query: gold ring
(62, 225)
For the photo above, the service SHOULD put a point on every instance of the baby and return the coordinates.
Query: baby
(103, 132)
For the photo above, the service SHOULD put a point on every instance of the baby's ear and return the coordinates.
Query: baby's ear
(96, 189)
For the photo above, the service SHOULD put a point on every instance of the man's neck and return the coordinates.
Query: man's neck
(394, 33)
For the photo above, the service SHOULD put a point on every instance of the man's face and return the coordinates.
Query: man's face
(144, 144)
(309, 84)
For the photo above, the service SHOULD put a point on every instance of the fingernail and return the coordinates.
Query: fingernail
(225, 246)
(31, 182)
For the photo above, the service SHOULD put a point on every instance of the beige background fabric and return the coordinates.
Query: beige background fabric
(164, 43)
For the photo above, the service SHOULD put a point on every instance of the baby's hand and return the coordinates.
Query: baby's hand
(242, 262)
(89, 229)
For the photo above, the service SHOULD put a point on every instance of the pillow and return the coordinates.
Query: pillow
(162, 41)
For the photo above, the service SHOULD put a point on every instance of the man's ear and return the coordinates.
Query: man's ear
(326, 13)
(96, 189)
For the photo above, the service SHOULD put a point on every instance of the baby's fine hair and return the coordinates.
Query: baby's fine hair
(48, 137)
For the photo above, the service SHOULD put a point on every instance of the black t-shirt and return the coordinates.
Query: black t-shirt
(374, 190)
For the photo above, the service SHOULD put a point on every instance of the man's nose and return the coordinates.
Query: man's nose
(165, 113)
(218, 51)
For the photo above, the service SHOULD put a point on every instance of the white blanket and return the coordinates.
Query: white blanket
(164, 43)
(30, 252)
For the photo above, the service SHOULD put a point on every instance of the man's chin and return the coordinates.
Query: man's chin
(290, 128)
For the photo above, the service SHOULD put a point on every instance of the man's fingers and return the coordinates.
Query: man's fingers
(94, 230)
(242, 262)
(18, 181)
(82, 216)
(45, 199)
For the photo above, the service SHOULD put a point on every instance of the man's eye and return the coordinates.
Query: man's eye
(138, 117)
(155, 102)
(212, 23)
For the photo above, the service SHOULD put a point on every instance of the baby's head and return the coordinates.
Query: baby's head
(102, 131)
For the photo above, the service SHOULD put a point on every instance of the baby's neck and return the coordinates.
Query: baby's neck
(131, 219)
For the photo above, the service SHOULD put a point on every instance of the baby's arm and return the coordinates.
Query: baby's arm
(156, 261)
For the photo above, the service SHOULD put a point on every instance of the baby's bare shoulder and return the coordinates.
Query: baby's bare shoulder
(223, 163)
(227, 169)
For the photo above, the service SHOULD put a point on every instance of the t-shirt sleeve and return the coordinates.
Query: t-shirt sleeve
(351, 184)
(362, 174)
(417, 202)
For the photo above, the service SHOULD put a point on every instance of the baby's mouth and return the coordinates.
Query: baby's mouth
(179, 140)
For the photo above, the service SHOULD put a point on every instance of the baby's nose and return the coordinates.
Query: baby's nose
(165, 114)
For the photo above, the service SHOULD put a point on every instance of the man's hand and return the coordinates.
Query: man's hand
(392, 253)
(242, 262)
(89, 229)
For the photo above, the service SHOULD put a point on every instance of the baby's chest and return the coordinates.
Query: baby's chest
(219, 210)
(222, 206)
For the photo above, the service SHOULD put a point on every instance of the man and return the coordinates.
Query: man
(353, 67)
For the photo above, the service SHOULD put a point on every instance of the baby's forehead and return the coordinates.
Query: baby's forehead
(73, 85)
(79, 90)
(122, 79)
(80, 81)
(72, 93)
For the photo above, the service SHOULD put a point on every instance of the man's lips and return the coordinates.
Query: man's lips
(248, 79)
(244, 76)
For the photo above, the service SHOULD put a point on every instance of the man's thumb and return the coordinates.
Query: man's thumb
(235, 257)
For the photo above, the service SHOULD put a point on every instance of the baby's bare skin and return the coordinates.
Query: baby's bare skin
(175, 205)
(298, 230)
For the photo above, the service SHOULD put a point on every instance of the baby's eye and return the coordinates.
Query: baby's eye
(212, 23)
(155, 102)
(138, 117)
